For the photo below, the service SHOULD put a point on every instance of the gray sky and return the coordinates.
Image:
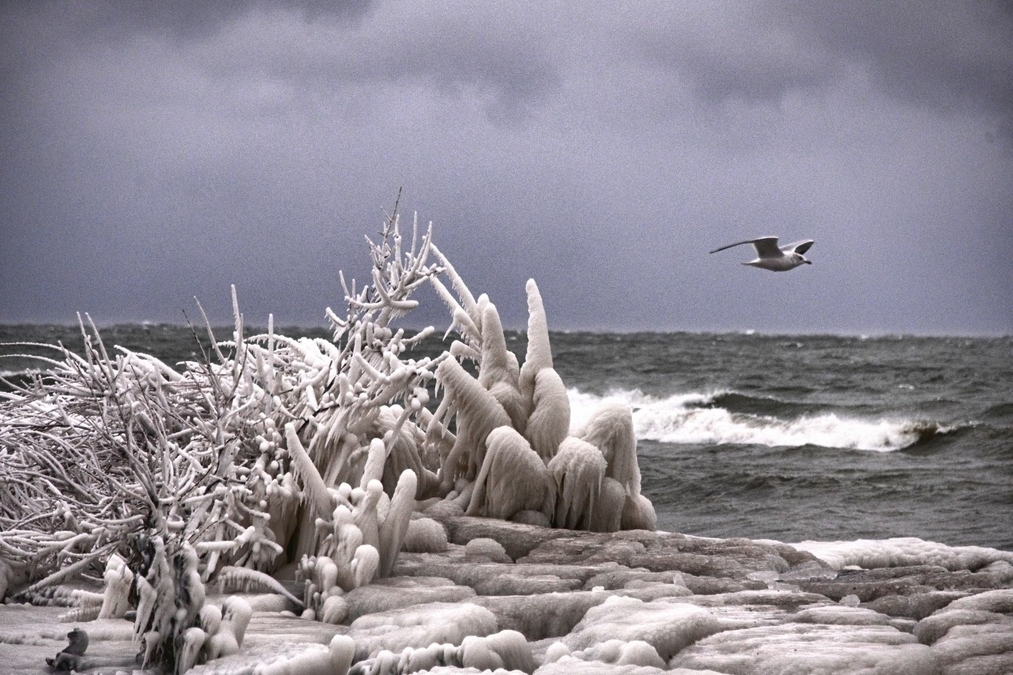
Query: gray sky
(153, 152)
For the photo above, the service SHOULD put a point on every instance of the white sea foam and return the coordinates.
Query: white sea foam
(681, 419)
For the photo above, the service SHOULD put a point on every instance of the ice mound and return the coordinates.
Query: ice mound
(810, 649)
(903, 551)
(667, 627)
(419, 626)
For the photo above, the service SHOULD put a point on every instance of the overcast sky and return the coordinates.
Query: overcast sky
(153, 152)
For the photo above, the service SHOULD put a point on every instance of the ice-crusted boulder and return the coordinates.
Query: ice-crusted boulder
(668, 627)
(419, 626)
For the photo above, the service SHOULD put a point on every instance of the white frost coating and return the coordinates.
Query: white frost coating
(425, 535)
(639, 514)
(539, 353)
(634, 653)
(902, 551)
(377, 457)
(500, 653)
(395, 524)
(419, 626)
(667, 626)
(468, 300)
(366, 565)
(366, 512)
(980, 649)
(210, 618)
(407, 449)
(500, 372)
(312, 482)
(507, 649)
(513, 478)
(193, 641)
(608, 512)
(483, 547)
(569, 665)
(116, 598)
(999, 601)
(844, 615)
(610, 429)
(192, 589)
(334, 610)
(932, 628)
(810, 649)
(549, 421)
(973, 634)
(578, 469)
(334, 659)
(555, 652)
(228, 639)
(478, 413)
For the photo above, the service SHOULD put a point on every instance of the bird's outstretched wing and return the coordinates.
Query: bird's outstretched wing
(798, 246)
(765, 246)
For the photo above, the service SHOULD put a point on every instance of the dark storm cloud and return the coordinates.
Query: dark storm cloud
(949, 57)
(420, 45)
(325, 44)
(158, 151)
(942, 55)
(749, 52)
(181, 20)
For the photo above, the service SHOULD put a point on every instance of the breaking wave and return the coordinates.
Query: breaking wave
(700, 419)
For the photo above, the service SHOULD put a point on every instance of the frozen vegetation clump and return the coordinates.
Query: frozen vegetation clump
(169, 481)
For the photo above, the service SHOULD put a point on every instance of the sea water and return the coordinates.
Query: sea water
(791, 438)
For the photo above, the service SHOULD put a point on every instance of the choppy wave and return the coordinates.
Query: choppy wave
(698, 418)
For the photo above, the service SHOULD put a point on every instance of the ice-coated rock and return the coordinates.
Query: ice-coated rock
(903, 551)
(568, 665)
(668, 626)
(397, 592)
(419, 626)
(810, 649)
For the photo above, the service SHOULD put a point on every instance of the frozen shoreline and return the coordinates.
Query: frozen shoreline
(324, 484)
(626, 602)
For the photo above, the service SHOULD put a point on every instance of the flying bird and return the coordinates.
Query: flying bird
(773, 258)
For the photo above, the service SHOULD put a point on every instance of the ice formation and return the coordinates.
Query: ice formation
(396, 514)
(334, 659)
(903, 551)
(277, 451)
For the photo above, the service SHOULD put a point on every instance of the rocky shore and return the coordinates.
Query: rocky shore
(503, 596)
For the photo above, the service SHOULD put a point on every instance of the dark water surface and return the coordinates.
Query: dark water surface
(791, 438)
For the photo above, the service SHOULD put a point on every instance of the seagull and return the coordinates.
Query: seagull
(773, 258)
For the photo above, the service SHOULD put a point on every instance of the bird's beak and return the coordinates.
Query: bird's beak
(808, 262)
